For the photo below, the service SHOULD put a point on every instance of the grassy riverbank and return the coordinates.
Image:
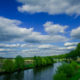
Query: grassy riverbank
(77, 75)
(68, 71)
(20, 63)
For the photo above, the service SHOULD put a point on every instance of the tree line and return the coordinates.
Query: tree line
(42, 61)
(10, 65)
(18, 63)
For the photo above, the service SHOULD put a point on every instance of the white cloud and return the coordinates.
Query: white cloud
(10, 30)
(50, 6)
(7, 50)
(20, 40)
(68, 48)
(47, 46)
(53, 29)
(9, 45)
(71, 43)
(36, 50)
(71, 47)
(75, 33)
(58, 38)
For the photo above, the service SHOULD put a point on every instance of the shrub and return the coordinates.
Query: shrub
(60, 76)
(74, 64)
(42, 61)
(19, 62)
(8, 65)
(67, 69)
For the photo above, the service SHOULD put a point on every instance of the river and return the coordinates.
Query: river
(45, 73)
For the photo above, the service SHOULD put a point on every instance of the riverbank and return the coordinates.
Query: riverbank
(44, 73)
(18, 64)
(69, 71)
(77, 75)
(26, 67)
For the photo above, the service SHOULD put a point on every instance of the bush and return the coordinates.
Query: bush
(74, 64)
(8, 65)
(42, 61)
(60, 76)
(67, 69)
(19, 62)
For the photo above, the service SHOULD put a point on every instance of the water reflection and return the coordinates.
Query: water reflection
(41, 69)
(7, 77)
(19, 75)
(45, 73)
(14, 76)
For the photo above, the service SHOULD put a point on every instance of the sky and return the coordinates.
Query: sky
(38, 27)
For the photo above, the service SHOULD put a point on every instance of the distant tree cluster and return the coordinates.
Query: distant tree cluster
(74, 53)
(10, 65)
(42, 61)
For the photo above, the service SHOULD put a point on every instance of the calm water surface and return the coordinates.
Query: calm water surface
(31, 74)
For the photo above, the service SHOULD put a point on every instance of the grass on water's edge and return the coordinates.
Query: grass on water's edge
(28, 66)
(77, 75)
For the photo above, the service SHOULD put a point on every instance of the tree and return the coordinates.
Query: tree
(78, 46)
(8, 65)
(19, 61)
(42, 61)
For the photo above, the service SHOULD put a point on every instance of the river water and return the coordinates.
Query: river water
(45, 73)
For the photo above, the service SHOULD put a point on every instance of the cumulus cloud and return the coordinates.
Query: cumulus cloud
(17, 45)
(71, 43)
(53, 29)
(75, 33)
(6, 50)
(23, 39)
(45, 46)
(34, 50)
(11, 30)
(71, 47)
(50, 6)
(28, 49)
(10, 45)
(68, 48)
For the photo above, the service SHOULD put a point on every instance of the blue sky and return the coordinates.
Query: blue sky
(42, 28)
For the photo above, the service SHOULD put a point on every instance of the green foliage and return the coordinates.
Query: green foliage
(74, 64)
(74, 53)
(77, 75)
(42, 61)
(8, 65)
(78, 46)
(60, 76)
(71, 55)
(19, 62)
(29, 66)
(67, 69)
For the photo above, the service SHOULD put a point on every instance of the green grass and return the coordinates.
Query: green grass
(29, 66)
(77, 75)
